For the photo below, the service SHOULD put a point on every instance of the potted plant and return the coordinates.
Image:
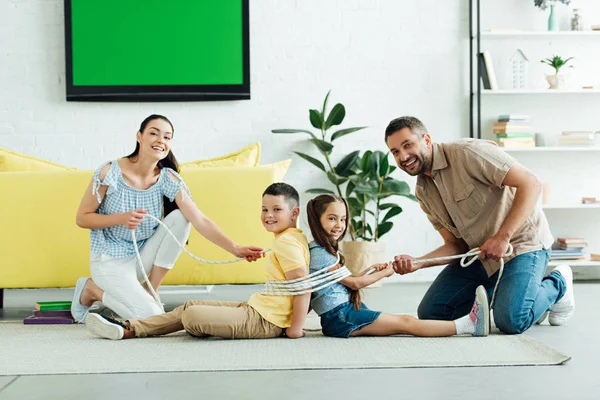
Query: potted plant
(368, 191)
(364, 181)
(543, 4)
(556, 81)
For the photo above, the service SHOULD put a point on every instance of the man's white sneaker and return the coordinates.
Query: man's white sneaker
(105, 327)
(563, 310)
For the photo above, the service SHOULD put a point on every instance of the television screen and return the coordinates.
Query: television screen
(157, 50)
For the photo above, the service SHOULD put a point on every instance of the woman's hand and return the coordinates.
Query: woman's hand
(250, 253)
(133, 219)
(388, 270)
(379, 267)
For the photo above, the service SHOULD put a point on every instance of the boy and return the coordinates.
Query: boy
(262, 316)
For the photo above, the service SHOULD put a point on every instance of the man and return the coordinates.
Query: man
(475, 195)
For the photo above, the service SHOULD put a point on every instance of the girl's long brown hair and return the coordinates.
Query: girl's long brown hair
(315, 209)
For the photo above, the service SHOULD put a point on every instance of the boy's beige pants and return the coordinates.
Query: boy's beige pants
(226, 319)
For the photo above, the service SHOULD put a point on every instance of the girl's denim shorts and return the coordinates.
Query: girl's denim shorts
(344, 319)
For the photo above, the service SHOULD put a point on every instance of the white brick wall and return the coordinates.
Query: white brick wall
(381, 58)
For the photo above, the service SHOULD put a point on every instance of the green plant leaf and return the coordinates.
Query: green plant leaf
(325, 104)
(312, 160)
(349, 189)
(336, 180)
(412, 197)
(364, 161)
(344, 132)
(394, 187)
(319, 191)
(384, 228)
(336, 116)
(386, 206)
(316, 119)
(293, 131)
(324, 147)
(369, 229)
(384, 166)
(344, 167)
(391, 169)
(392, 213)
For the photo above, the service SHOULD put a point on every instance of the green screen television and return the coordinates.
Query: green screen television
(157, 50)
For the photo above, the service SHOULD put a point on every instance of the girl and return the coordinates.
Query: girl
(339, 306)
(120, 194)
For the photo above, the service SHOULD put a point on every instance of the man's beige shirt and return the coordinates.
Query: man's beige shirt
(465, 195)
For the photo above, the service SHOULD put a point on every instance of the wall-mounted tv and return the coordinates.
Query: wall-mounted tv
(157, 50)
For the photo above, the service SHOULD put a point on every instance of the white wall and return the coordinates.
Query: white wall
(381, 58)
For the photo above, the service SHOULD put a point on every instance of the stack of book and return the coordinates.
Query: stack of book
(514, 131)
(577, 138)
(569, 249)
(50, 312)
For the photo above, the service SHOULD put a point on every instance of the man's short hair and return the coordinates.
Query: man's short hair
(412, 123)
(290, 195)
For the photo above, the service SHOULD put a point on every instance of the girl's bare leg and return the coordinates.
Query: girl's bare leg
(387, 325)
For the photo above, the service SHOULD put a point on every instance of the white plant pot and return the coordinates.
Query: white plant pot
(555, 81)
(361, 255)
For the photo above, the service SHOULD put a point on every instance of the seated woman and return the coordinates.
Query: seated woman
(116, 201)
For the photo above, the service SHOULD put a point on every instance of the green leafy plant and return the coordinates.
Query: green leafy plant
(543, 4)
(366, 178)
(556, 62)
(369, 185)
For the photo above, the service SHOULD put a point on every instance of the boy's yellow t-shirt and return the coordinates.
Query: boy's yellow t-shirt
(289, 252)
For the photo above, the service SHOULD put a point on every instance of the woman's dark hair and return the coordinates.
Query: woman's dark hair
(315, 209)
(168, 162)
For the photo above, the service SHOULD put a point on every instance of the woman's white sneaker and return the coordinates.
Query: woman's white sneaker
(563, 310)
(105, 327)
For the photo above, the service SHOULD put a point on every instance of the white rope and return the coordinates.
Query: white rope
(141, 264)
(465, 262)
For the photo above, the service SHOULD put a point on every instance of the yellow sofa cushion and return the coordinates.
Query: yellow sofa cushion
(13, 161)
(248, 156)
(280, 167)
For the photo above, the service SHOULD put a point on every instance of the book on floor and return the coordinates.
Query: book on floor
(53, 313)
(52, 305)
(32, 320)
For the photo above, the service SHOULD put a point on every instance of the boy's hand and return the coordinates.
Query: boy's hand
(293, 333)
(250, 253)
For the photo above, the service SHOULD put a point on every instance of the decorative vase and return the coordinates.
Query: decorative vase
(361, 255)
(552, 24)
(555, 81)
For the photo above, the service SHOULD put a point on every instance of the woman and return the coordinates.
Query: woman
(120, 194)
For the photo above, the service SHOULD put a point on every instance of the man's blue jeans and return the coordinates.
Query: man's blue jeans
(524, 293)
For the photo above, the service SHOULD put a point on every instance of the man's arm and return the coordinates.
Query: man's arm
(404, 264)
(528, 191)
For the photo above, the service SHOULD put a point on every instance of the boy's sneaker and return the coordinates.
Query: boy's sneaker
(563, 310)
(105, 327)
(480, 313)
(78, 310)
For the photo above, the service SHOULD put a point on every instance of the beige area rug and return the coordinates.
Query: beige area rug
(71, 349)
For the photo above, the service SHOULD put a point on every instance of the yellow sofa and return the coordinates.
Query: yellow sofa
(40, 245)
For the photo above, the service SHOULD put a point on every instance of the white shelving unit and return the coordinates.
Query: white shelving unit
(512, 34)
(552, 92)
(551, 149)
(577, 177)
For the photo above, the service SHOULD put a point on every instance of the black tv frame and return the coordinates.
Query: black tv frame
(158, 93)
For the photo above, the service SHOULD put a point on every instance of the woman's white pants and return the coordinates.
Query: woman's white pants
(120, 278)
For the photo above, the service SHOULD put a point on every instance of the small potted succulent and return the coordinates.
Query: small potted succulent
(556, 81)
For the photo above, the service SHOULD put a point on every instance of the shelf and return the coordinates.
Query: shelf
(538, 34)
(570, 207)
(538, 91)
(575, 263)
(550, 149)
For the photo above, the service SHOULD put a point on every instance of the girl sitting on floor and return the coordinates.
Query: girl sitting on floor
(339, 306)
